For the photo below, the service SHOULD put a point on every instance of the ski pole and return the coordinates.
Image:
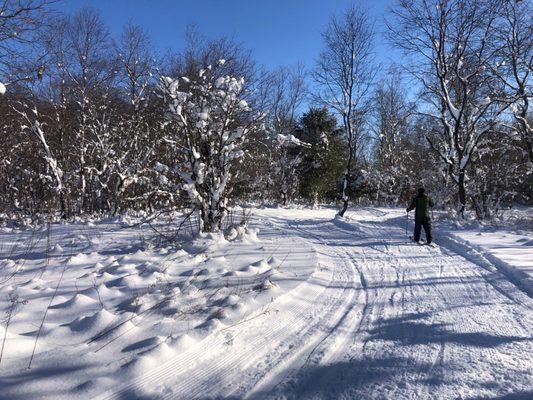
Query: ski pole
(406, 222)
(434, 222)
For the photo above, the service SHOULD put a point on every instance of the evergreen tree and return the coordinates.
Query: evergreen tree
(324, 160)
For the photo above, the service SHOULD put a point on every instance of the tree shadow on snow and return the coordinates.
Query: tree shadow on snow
(10, 384)
(349, 379)
(407, 331)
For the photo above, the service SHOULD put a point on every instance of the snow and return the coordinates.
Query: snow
(2, 88)
(453, 110)
(298, 304)
(290, 139)
(511, 251)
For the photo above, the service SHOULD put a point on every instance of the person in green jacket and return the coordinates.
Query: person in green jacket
(421, 204)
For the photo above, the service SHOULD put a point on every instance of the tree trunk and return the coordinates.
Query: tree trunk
(347, 176)
(344, 208)
(62, 205)
(529, 145)
(462, 194)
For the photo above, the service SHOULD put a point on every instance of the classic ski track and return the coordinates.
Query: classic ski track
(337, 333)
(461, 269)
(378, 282)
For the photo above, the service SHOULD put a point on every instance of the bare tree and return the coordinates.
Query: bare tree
(392, 113)
(136, 138)
(201, 52)
(344, 74)
(19, 21)
(286, 91)
(81, 67)
(449, 40)
(513, 45)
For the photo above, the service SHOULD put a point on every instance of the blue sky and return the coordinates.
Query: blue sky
(279, 32)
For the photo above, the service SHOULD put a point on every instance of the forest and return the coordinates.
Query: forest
(94, 124)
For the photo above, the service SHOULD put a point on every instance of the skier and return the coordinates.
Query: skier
(421, 203)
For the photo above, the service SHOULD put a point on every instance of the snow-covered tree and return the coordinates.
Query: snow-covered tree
(449, 42)
(343, 75)
(284, 95)
(212, 122)
(392, 113)
(78, 82)
(513, 45)
(287, 160)
(35, 125)
(138, 133)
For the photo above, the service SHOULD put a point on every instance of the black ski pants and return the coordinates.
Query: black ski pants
(426, 223)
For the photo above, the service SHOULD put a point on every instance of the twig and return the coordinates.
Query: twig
(48, 241)
(44, 316)
(14, 299)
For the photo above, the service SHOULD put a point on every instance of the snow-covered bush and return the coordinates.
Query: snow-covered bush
(211, 122)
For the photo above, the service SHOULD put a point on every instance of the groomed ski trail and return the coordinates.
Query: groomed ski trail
(379, 318)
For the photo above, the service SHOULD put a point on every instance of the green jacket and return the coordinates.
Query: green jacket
(422, 205)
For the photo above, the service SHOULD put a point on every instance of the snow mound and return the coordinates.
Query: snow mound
(231, 300)
(160, 352)
(346, 224)
(126, 328)
(36, 283)
(274, 261)
(107, 277)
(57, 249)
(257, 268)
(127, 282)
(525, 241)
(242, 234)
(8, 263)
(110, 259)
(150, 359)
(190, 290)
(96, 321)
(182, 342)
(77, 301)
(16, 345)
(265, 285)
(78, 259)
(262, 266)
(207, 327)
(98, 266)
(100, 292)
(127, 268)
(46, 330)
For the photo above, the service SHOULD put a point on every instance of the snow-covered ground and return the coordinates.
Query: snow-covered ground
(511, 250)
(310, 307)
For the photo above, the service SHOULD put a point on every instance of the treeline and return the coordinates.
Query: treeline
(98, 124)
